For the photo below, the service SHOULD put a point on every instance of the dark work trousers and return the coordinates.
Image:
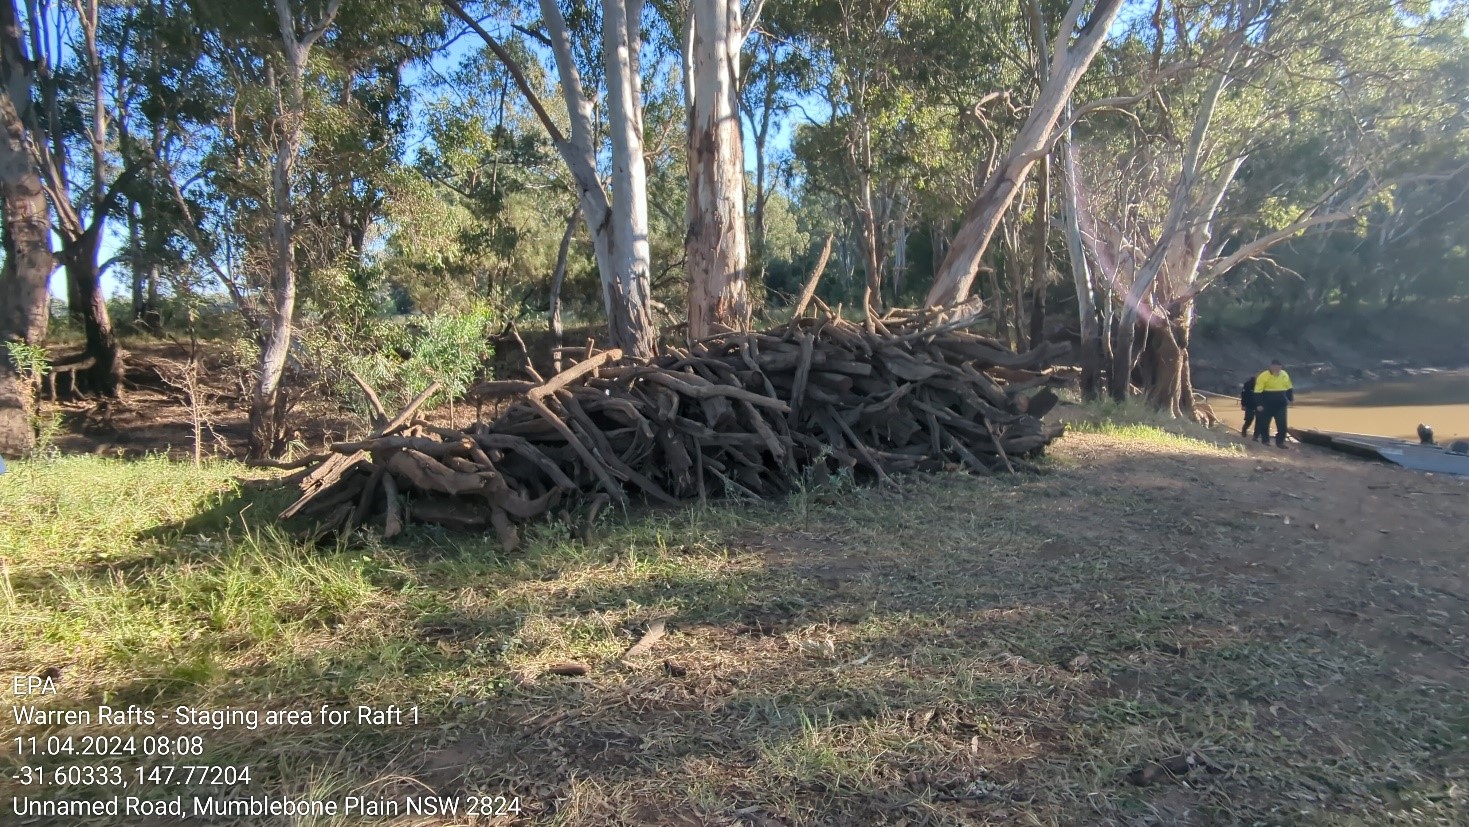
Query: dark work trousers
(1274, 410)
(1249, 417)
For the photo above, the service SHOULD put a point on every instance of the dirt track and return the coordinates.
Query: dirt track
(1297, 618)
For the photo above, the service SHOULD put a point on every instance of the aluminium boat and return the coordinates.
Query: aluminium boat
(1437, 459)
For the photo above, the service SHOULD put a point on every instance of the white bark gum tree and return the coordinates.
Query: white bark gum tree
(1071, 55)
(630, 254)
(268, 403)
(1180, 258)
(716, 245)
(619, 236)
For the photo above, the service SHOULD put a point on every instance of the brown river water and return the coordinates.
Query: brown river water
(1389, 407)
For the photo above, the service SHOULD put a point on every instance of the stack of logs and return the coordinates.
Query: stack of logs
(742, 414)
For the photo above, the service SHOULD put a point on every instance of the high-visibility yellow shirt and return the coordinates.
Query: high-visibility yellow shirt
(1268, 381)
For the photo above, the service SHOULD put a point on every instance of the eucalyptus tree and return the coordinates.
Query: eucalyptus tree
(86, 97)
(1289, 117)
(716, 244)
(712, 38)
(1075, 45)
(29, 260)
(616, 216)
(299, 29)
(275, 185)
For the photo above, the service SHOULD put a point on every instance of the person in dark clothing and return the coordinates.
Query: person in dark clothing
(1247, 404)
(1273, 394)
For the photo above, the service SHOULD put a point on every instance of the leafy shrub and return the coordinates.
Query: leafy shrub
(401, 356)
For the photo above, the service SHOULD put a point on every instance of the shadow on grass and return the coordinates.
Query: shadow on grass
(251, 503)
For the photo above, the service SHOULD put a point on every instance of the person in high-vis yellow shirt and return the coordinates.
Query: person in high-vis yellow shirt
(1273, 394)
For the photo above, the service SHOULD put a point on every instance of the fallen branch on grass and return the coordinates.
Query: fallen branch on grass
(657, 628)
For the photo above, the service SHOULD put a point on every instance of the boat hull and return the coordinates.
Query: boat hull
(1430, 458)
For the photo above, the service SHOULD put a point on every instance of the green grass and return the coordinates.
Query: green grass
(79, 510)
(1136, 422)
(156, 573)
(943, 650)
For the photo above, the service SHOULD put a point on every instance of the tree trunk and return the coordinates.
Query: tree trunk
(104, 377)
(1183, 333)
(631, 313)
(89, 308)
(1165, 358)
(267, 406)
(1015, 278)
(1070, 61)
(1106, 340)
(1081, 276)
(152, 319)
(558, 278)
(900, 252)
(135, 272)
(76, 299)
(939, 238)
(1041, 229)
(844, 251)
(1002, 319)
(1120, 374)
(1169, 382)
(268, 401)
(1092, 358)
(153, 237)
(867, 241)
(715, 244)
(26, 238)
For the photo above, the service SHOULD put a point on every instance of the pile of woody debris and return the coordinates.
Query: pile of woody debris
(741, 414)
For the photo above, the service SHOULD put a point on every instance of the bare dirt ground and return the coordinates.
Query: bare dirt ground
(1153, 634)
(1343, 547)
(153, 417)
